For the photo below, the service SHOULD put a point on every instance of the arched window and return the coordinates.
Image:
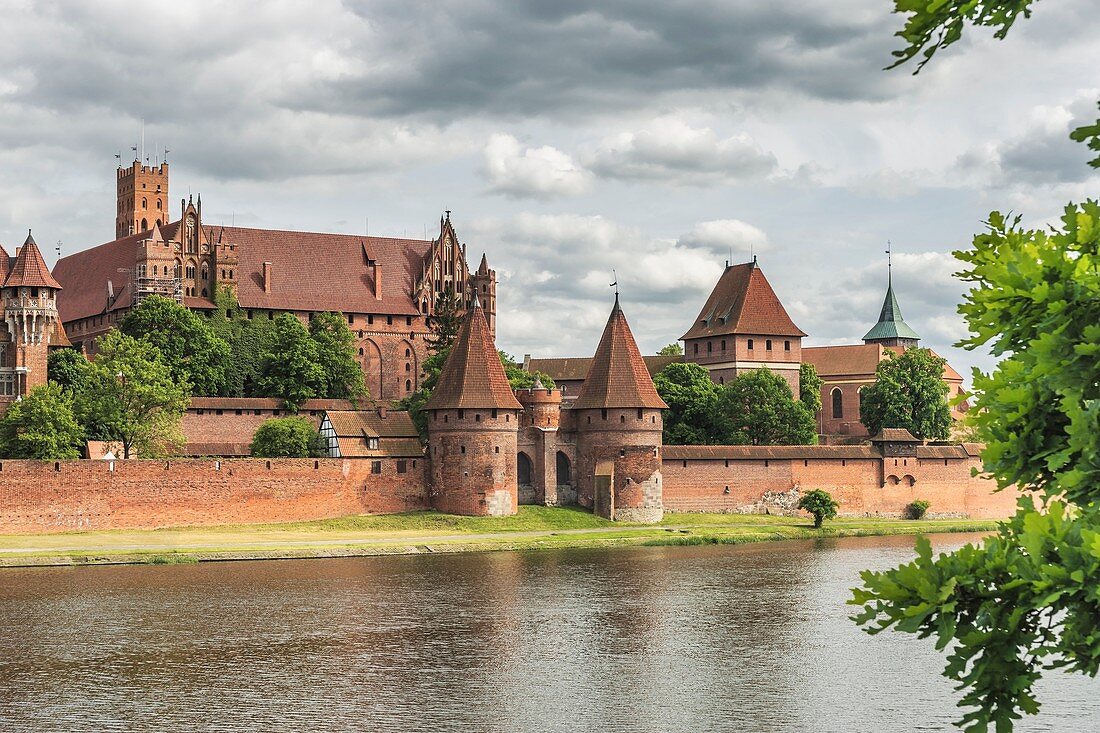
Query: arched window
(145, 203)
(144, 225)
(408, 353)
(838, 403)
(408, 367)
(154, 270)
(565, 475)
(408, 385)
(158, 204)
(204, 293)
(191, 270)
(523, 469)
(205, 273)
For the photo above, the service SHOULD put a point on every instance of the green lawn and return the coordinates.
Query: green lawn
(532, 528)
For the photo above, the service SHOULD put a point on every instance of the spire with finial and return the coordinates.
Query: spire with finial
(617, 376)
(891, 329)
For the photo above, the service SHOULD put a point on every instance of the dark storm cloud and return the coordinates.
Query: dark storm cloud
(530, 58)
(1046, 154)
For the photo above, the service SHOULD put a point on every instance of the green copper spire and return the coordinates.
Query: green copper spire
(891, 329)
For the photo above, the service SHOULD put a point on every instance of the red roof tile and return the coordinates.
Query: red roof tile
(573, 368)
(325, 272)
(85, 275)
(29, 269)
(743, 302)
(473, 376)
(844, 361)
(5, 264)
(617, 376)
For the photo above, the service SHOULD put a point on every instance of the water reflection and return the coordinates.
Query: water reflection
(751, 638)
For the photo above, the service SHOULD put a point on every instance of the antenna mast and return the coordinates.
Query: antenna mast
(889, 263)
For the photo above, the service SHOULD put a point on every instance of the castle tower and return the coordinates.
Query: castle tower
(484, 286)
(619, 426)
(473, 423)
(891, 329)
(29, 294)
(547, 471)
(142, 198)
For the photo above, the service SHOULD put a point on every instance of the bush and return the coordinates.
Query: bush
(917, 508)
(820, 504)
(287, 437)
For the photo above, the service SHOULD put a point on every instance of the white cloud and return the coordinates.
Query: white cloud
(725, 235)
(543, 172)
(672, 151)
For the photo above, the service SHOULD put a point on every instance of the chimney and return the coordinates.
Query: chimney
(377, 281)
(382, 413)
(267, 277)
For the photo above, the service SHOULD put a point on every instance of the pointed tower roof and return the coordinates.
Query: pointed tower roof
(617, 376)
(473, 376)
(743, 302)
(483, 268)
(5, 264)
(29, 269)
(890, 324)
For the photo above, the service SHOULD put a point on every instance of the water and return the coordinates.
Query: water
(751, 638)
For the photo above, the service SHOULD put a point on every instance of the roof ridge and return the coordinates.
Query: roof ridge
(472, 376)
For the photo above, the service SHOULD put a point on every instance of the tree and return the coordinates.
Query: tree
(249, 338)
(933, 26)
(445, 322)
(673, 349)
(909, 392)
(42, 426)
(187, 345)
(287, 437)
(820, 504)
(519, 378)
(290, 368)
(809, 387)
(1024, 600)
(67, 368)
(343, 377)
(758, 408)
(131, 397)
(692, 399)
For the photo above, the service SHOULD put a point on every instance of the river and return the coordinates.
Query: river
(749, 638)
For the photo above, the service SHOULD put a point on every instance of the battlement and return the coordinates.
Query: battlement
(137, 167)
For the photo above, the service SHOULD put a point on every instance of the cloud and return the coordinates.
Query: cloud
(724, 235)
(671, 151)
(541, 173)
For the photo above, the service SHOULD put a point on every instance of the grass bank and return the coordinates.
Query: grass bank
(430, 532)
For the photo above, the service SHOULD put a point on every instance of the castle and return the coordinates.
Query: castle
(594, 440)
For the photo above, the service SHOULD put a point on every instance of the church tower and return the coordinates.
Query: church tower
(473, 427)
(30, 320)
(619, 426)
(891, 329)
(142, 198)
(484, 286)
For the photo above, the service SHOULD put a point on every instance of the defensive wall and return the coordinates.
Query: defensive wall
(48, 496)
(758, 479)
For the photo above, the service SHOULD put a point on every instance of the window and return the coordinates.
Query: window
(402, 466)
(145, 203)
(603, 414)
(710, 346)
(372, 443)
(494, 413)
(640, 417)
(723, 344)
(461, 414)
(191, 270)
(408, 320)
(768, 345)
(695, 348)
(786, 345)
(750, 344)
(376, 467)
(838, 403)
(408, 367)
(389, 320)
(408, 353)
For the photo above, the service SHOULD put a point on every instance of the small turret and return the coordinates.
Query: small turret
(29, 293)
(473, 423)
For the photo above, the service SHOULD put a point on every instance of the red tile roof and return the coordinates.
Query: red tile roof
(857, 360)
(473, 376)
(85, 275)
(325, 272)
(29, 269)
(5, 264)
(573, 368)
(617, 376)
(743, 302)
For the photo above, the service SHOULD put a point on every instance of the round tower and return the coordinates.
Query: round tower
(473, 424)
(619, 428)
(29, 294)
(541, 406)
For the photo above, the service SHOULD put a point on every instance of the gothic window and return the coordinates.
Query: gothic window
(408, 385)
(145, 203)
(178, 270)
(158, 204)
(191, 270)
(408, 353)
(408, 367)
(838, 403)
(141, 270)
(205, 273)
(204, 293)
(144, 225)
(154, 270)
(190, 236)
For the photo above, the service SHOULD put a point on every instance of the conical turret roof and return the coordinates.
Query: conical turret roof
(29, 269)
(891, 324)
(483, 268)
(617, 377)
(473, 376)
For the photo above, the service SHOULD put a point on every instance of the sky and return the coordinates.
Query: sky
(652, 140)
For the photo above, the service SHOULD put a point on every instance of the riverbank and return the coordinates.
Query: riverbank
(430, 532)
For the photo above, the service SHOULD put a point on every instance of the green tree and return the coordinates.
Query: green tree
(933, 26)
(673, 349)
(820, 504)
(518, 378)
(692, 399)
(249, 337)
(287, 437)
(809, 387)
(291, 368)
(187, 345)
(131, 397)
(1024, 600)
(343, 377)
(67, 368)
(445, 322)
(42, 426)
(909, 392)
(758, 408)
